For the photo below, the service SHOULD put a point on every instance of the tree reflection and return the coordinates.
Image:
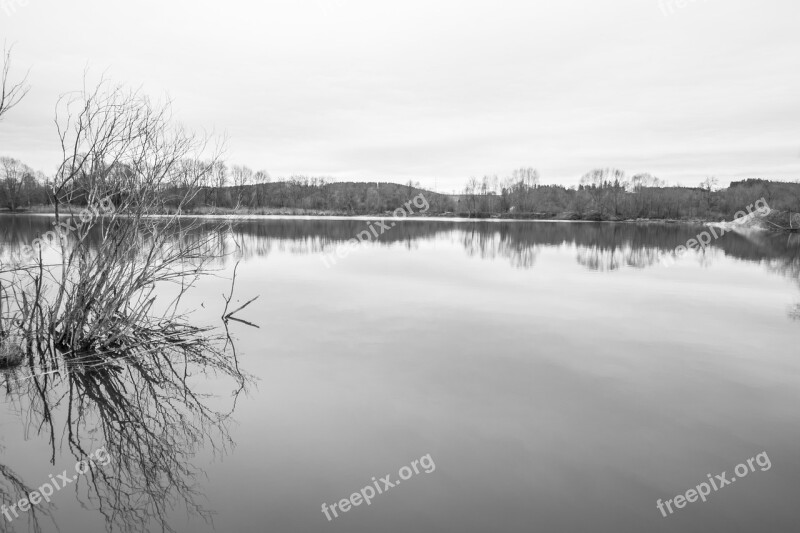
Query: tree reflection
(790, 268)
(12, 490)
(599, 258)
(140, 401)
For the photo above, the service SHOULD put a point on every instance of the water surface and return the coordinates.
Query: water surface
(560, 375)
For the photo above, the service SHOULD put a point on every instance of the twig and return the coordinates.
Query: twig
(229, 316)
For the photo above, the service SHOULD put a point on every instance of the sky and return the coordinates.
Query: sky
(435, 91)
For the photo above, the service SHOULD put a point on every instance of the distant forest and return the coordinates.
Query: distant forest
(603, 194)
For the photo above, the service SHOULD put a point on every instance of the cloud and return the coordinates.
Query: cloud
(367, 90)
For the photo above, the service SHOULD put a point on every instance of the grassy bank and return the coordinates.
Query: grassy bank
(592, 216)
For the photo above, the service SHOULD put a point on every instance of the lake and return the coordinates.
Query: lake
(554, 377)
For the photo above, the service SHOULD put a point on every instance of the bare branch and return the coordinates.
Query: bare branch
(10, 93)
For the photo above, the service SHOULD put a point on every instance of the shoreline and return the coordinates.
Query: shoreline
(522, 218)
(430, 218)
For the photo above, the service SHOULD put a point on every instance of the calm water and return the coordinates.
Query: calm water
(559, 376)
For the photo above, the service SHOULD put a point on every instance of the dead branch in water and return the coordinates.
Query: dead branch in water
(226, 316)
(100, 335)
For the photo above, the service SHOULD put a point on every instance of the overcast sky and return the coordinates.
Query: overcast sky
(437, 90)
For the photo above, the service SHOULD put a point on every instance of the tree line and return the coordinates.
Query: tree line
(608, 194)
(603, 194)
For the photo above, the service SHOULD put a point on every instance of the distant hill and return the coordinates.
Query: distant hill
(602, 200)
